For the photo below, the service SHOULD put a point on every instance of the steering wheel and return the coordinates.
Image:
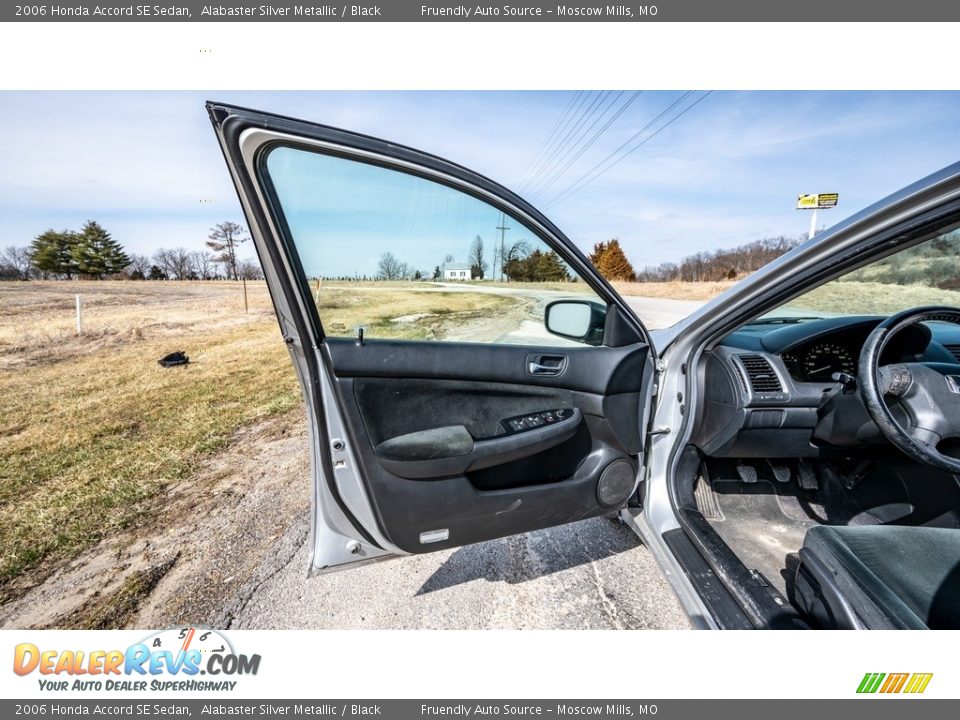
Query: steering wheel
(915, 406)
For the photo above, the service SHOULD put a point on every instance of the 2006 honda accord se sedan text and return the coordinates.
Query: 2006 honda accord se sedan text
(789, 452)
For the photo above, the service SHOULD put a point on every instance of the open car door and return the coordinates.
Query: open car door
(467, 373)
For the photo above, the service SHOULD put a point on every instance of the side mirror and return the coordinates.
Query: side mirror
(580, 320)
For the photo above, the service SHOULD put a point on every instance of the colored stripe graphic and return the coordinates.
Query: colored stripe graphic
(913, 683)
(918, 682)
(870, 682)
(894, 683)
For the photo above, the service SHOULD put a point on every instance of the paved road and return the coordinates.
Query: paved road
(590, 575)
(656, 313)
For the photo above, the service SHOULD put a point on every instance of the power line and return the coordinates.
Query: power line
(572, 122)
(586, 178)
(574, 143)
(578, 100)
(596, 136)
(627, 142)
(550, 136)
(569, 139)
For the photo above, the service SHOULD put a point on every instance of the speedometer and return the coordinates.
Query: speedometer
(823, 360)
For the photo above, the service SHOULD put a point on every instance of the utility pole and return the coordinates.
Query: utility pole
(502, 227)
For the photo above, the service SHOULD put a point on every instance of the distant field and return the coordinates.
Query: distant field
(674, 290)
(666, 290)
(873, 298)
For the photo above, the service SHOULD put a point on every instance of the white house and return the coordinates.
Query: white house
(456, 271)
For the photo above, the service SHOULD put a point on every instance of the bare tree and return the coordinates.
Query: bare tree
(19, 260)
(390, 268)
(139, 267)
(161, 260)
(223, 240)
(249, 270)
(202, 264)
(175, 262)
(478, 266)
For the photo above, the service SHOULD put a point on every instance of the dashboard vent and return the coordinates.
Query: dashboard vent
(954, 350)
(762, 377)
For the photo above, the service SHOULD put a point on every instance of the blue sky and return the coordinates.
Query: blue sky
(147, 166)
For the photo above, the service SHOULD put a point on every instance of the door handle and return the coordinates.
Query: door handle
(546, 365)
(535, 368)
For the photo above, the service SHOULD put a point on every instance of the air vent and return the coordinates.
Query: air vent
(741, 377)
(762, 377)
(954, 350)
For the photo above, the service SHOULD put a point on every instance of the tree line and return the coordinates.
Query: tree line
(519, 263)
(92, 253)
(725, 264)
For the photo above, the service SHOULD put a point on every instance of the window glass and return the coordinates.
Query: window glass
(925, 274)
(407, 258)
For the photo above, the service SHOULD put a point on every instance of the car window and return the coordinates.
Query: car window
(925, 274)
(403, 257)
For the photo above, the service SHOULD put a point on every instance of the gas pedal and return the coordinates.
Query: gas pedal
(807, 477)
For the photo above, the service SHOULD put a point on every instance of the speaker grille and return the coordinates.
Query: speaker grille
(616, 483)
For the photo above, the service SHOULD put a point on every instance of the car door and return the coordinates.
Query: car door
(467, 373)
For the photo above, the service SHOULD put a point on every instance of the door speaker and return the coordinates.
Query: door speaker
(616, 483)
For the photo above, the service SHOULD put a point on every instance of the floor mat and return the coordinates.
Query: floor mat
(758, 528)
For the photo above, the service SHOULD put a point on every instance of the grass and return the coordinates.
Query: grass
(873, 298)
(93, 431)
(409, 311)
(674, 290)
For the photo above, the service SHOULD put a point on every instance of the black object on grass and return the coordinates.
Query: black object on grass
(174, 359)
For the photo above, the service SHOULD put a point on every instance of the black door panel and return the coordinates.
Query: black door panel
(417, 434)
(598, 370)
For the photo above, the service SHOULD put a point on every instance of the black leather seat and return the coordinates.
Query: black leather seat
(880, 576)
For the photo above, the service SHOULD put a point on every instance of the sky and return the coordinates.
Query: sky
(147, 166)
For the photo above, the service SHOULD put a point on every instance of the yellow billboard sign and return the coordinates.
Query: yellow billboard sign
(817, 201)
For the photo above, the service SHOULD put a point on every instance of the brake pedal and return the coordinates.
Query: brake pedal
(807, 476)
(781, 473)
(747, 473)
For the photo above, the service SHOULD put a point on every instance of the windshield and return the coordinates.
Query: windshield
(925, 274)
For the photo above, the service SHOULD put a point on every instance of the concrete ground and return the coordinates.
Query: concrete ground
(590, 575)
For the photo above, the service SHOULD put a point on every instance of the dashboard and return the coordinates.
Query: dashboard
(764, 382)
(838, 351)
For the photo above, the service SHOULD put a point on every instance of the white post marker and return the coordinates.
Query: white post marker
(79, 315)
(816, 202)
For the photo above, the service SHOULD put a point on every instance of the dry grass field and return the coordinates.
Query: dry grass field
(94, 433)
(674, 290)
(93, 430)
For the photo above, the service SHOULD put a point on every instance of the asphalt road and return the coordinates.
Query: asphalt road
(589, 575)
(593, 574)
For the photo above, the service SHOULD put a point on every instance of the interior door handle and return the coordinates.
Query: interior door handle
(549, 365)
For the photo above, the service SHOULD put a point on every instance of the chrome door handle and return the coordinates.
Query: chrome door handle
(536, 368)
(546, 365)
